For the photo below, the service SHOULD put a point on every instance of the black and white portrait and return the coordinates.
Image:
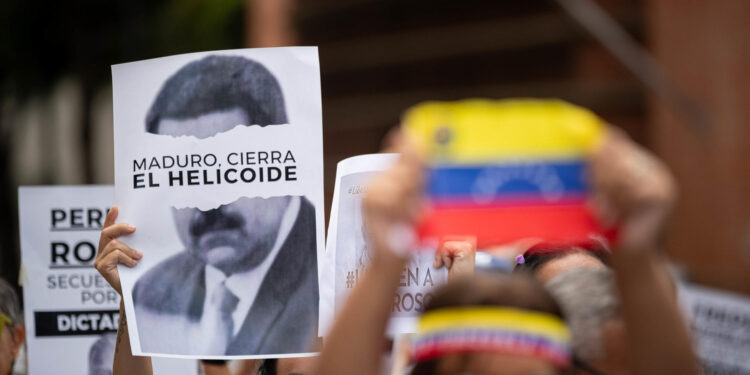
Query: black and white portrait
(245, 282)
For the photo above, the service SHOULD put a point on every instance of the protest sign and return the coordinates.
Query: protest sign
(71, 312)
(720, 321)
(506, 170)
(348, 253)
(219, 165)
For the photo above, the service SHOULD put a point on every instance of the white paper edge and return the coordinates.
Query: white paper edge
(327, 285)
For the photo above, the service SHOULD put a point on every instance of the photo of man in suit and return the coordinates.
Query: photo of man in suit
(246, 282)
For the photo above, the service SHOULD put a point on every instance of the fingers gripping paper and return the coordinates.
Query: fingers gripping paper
(505, 170)
(218, 164)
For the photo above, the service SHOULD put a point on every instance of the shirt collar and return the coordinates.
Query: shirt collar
(246, 285)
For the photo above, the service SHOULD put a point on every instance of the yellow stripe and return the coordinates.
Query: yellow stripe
(490, 317)
(478, 130)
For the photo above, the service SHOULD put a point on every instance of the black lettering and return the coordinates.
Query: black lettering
(275, 157)
(206, 181)
(138, 166)
(262, 157)
(76, 217)
(58, 215)
(229, 158)
(59, 250)
(230, 179)
(412, 276)
(290, 172)
(95, 218)
(139, 181)
(418, 299)
(177, 176)
(289, 157)
(195, 161)
(154, 164)
(151, 182)
(245, 179)
(192, 177)
(167, 162)
(271, 177)
(411, 302)
(80, 249)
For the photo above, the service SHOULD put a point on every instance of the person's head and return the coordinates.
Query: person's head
(102, 355)
(588, 298)
(288, 366)
(485, 324)
(11, 327)
(204, 98)
(545, 261)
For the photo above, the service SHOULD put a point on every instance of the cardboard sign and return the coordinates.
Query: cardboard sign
(506, 170)
(219, 165)
(71, 312)
(348, 253)
(721, 328)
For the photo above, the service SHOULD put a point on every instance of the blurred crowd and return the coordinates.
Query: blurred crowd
(591, 307)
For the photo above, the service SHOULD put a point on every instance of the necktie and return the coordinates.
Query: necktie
(220, 323)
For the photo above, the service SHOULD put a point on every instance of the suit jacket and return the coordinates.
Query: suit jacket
(168, 300)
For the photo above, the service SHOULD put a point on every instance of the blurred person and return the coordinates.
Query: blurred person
(588, 298)
(238, 257)
(631, 189)
(355, 342)
(545, 261)
(12, 333)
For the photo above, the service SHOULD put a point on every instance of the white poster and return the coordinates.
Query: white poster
(219, 165)
(71, 312)
(348, 253)
(721, 328)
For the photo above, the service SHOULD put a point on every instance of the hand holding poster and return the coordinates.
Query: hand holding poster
(506, 170)
(71, 312)
(348, 253)
(218, 164)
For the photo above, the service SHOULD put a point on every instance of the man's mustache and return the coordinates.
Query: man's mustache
(212, 220)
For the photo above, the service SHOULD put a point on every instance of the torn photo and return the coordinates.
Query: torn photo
(218, 164)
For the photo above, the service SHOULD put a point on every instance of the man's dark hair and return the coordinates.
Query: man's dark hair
(541, 254)
(219, 83)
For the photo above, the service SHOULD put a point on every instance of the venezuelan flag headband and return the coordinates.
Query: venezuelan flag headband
(490, 329)
(506, 170)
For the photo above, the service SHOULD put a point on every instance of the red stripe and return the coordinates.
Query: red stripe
(503, 224)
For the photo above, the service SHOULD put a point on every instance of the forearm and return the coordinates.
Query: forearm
(355, 343)
(658, 338)
(125, 362)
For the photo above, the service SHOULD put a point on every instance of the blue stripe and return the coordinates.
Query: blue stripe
(549, 180)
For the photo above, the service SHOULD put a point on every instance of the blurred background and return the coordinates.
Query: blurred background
(379, 57)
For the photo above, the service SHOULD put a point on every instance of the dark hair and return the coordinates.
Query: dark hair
(538, 255)
(267, 366)
(219, 83)
(514, 290)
